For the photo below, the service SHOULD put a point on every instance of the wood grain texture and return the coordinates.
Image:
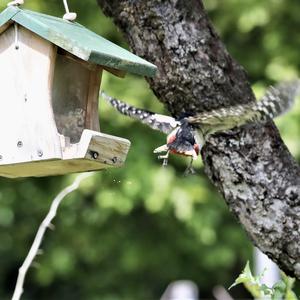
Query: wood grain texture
(69, 96)
(95, 151)
(252, 168)
(31, 144)
(27, 127)
(92, 114)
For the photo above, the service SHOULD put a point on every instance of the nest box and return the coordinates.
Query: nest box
(50, 75)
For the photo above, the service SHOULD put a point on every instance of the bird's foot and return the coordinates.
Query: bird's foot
(165, 162)
(189, 171)
(165, 159)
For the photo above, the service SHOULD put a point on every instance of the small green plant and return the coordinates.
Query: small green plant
(281, 290)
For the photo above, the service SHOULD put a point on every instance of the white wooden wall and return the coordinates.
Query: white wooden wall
(27, 127)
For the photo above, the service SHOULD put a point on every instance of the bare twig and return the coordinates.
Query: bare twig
(34, 250)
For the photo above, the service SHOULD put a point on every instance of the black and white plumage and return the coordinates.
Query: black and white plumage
(156, 121)
(276, 101)
(187, 135)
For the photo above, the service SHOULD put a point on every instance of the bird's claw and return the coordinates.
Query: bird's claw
(165, 159)
(189, 171)
(165, 162)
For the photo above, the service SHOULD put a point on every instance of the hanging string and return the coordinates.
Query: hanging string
(15, 3)
(66, 6)
(69, 16)
(16, 36)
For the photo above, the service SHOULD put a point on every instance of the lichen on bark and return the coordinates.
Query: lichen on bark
(251, 166)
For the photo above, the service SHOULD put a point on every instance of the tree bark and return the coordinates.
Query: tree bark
(251, 166)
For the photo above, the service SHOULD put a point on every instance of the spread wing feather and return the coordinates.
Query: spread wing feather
(275, 102)
(159, 122)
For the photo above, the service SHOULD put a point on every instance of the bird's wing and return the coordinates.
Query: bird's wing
(222, 119)
(276, 101)
(279, 99)
(156, 121)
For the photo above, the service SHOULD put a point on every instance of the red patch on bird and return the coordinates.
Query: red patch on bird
(177, 153)
(197, 148)
(171, 139)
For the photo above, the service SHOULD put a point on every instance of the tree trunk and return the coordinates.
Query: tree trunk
(251, 166)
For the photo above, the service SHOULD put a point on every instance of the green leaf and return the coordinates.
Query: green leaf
(289, 283)
(251, 283)
(243, 277)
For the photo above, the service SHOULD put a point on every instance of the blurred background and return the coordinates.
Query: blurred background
(129, 232)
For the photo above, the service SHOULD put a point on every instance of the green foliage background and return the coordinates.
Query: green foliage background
(128, 232)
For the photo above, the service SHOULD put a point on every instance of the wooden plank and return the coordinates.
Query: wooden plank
(96, 151)
(72, 57)
(50, 168)
(104, 148)
(107, 146)
(92, 114)
(9, 113)
(90, 66)
(5, 26)
(37, 62)
(6, 15)
(116, 72)
(69, 97)
(27, 127)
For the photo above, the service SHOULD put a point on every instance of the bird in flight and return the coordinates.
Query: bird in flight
(187, 135)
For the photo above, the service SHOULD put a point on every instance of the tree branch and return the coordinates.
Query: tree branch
(33, 252)
(252, 168)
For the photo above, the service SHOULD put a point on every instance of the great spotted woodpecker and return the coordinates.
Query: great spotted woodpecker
(187, 135)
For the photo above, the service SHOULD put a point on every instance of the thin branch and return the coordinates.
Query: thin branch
(34, 250)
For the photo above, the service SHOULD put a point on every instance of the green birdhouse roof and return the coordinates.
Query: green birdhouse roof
(77, 40)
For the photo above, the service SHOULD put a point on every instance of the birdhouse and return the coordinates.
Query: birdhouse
(50, 75)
